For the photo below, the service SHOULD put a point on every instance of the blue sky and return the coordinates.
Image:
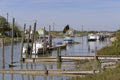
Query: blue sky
(92, 14)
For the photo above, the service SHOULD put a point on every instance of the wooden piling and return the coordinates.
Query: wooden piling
(3, 75)
(95, 55)
(95, 60)
(50, 42)
(44, 42)
(28, 40)
(58, 55)
(12, 42)
(23, 36)
(34, 33)
(3, 60)
(45, 68)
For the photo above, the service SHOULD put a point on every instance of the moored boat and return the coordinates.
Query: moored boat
(92, 37)
(68, 40)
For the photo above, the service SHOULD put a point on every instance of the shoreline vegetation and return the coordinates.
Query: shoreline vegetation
(7, 40)
(113, 48)
(110, 73)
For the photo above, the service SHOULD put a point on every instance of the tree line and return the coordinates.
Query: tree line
(6, 27)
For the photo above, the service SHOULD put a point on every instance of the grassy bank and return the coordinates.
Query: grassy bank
(108, 74)
(109, 50)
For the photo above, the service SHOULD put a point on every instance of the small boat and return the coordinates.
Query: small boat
(68, 40)
(42, 45)
(92, 37)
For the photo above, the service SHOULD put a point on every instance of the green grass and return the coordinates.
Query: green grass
(108, 74)
(109, 50)
(87, 65)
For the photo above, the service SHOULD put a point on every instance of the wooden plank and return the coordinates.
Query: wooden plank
(53, 59)
(42, 72)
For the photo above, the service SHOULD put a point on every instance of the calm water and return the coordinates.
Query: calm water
(84, 48)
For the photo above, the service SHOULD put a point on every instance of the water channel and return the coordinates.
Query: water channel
(84, 48)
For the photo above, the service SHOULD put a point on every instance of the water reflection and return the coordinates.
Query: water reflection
(84, 48)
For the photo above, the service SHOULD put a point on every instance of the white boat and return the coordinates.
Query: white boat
(40, 46)
(37, 48)
(92, 37)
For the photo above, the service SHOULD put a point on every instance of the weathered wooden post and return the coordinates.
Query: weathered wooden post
(95, 55)
(21, 55)
(3, 58)
(34, 33)
(17, 37)
(3, 75)
(50, 37)
(28, 45)
(44, 42)
(58, 55)
(45, 68)
(23, 36)
(88, 47)
(33, 37)
(12, 44)
(95, 60)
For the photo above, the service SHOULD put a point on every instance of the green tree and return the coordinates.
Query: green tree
(17, 32)
(66, 28)
(4, 25)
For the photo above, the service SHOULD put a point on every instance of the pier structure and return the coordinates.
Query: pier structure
(58, 58)
(66, 58)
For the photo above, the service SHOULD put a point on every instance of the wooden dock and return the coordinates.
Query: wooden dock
(71, 58)
(48, 72)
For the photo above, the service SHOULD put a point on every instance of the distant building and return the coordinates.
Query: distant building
(42, 31)
(6, 32)
(71, 32)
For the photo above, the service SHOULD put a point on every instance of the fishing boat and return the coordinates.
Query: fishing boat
(41, 45)
(92, 37)
(38, 48)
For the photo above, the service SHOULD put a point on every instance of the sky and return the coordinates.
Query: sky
(87, 14)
